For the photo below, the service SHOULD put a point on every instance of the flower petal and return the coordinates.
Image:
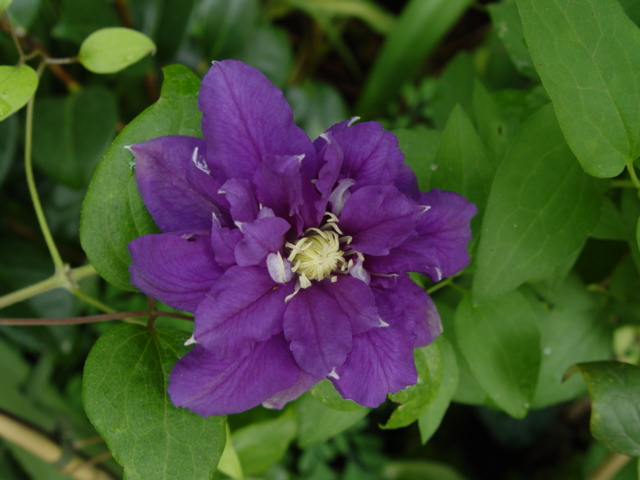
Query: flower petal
(416, 254)
(244, 307)
(162, 168)
(380, 362)
(280, 399)
(378, 219)
(177, 269)
(208, 385)
(244, 118)
(356, 301)
(371, 154)
(406, 305)
(224, 241)
(319, 331)
(242, 199)
(261, 237)
(447, 226)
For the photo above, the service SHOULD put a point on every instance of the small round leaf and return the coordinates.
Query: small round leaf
(110, 50)
(17, 85)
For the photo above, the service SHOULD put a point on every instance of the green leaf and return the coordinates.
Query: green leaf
(260, 445)
(454, 87)
(125, 395)
(317, 422)
(584, 52)
(316, 106)
(113, 213)
(326, 393)
(541, 209)
(419, 146)
(70, 134)
(417, 31)
(506, 20)
(110, 50)
(420, 470)
(269, 50)
(229, 463)
(462, 161)
(611, 225)
(614, 388)
(430, 419)
(416, 398)
(501, 343)
(4, 4)
(575, 329)
(8, 145)
(17, 85)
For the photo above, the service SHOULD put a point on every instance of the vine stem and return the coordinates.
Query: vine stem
(105, 317)
(42, 447)
(33, 192)
(633, 175)
(610, 466)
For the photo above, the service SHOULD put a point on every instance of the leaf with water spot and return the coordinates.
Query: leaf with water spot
(110, 50)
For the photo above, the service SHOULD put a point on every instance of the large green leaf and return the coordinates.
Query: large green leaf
(125, 396)
(260, 445)
(430, 418)
(614, 388)
(587, 57)
(541, 209)
(113, 213)
(71, 134)
(453, 88)
(17, 85)
(419, 146)
(501, 343)
(417, 31)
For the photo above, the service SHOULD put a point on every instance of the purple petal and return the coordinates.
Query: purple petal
(208, 385)
(177, 269)
(380, 362)
(356, 301)
(224, 241)
(378, 219)
(371, 154)
(244, 118)
(243, 204)
(261, 237)
(244, 307)
(407, 182)
(416, 254)
(319, 331)
(405, 305)
(447, 226)
(280, 399)
(163, 168)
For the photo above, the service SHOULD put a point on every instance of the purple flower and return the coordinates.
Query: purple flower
(292, 254)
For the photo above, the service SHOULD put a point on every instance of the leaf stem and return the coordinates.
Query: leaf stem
(609, 467)
(33, 192)
(56, 281)
(14, 36)
(632, 174)
(104, 317)
(622, 184)
(36, 443)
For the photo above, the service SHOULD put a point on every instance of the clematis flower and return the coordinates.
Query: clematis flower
(292, 254)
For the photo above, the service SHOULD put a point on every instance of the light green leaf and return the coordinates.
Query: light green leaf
(416, 398)
(113, 213)
(71, 134)
(125, 395)
(614, 388)
(573, 328)
(462, 161)
(317, 422)
(501, 343)
(587, 56)
(419, 146)
(430, 419)
(417, 31)
(326, 393)
(17, 85)
(541, 209)
(110, 50)
(4, 4)
(260, 445)
(229, 463)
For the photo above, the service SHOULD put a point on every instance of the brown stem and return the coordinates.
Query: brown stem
(609, 467)
(93, 318)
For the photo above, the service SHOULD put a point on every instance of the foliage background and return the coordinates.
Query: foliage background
(529, 108)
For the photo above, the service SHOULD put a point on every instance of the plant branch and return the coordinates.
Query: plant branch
(44, 448)
(632, 174)
(14, 36)
(104, 317)
(609, 467)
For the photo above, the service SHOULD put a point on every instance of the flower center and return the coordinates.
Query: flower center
(317, 254)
